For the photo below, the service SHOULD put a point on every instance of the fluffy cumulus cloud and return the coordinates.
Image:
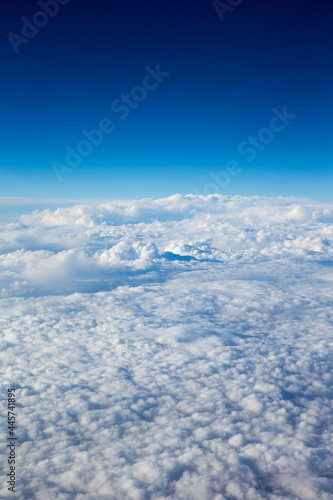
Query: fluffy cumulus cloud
(170, 349)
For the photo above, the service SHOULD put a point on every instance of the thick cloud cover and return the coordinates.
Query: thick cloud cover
(170, 349)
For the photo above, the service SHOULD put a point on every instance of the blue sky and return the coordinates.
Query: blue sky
(224, 78)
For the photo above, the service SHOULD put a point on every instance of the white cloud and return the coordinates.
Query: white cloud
(196, 364)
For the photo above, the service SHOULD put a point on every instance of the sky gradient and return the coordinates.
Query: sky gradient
(222, 83)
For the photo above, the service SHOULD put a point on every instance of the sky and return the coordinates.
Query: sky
(203, 89)
(166, 248)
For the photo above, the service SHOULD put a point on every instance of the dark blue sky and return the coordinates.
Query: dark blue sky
(180, 133)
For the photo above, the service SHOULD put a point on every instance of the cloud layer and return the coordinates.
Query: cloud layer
(171, 349)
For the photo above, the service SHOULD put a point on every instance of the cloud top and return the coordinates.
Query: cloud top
(170, 349)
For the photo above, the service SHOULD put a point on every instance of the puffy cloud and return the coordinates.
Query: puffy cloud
(88, 247)
(170, 349)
